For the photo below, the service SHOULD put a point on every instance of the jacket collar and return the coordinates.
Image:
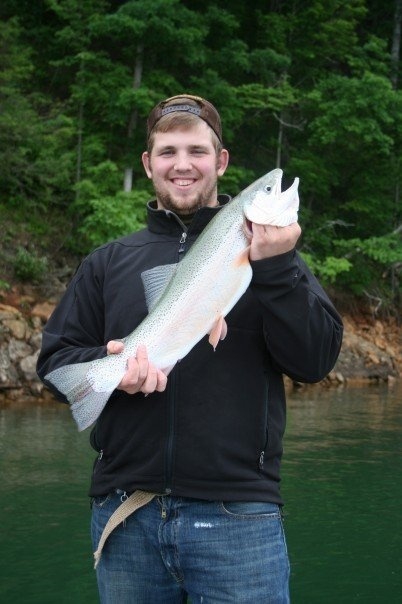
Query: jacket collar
(165, 221)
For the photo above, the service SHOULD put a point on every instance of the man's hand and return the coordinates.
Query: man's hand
(141, 375)
(268, 241)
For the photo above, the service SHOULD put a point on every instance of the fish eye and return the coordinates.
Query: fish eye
(268, 188)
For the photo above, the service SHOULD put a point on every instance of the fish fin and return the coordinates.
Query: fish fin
(243, 258)
(87, 411)
(155, 282)
(218, 332)
(86, 397)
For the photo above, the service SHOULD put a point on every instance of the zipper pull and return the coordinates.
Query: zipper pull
(261, 460)
(182, 242)
(100, 455)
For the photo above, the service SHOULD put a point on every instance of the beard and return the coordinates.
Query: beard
(183, 206)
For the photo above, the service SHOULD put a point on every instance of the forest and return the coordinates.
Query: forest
(311, 86)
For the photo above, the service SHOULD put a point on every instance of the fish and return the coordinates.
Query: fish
(186, 301)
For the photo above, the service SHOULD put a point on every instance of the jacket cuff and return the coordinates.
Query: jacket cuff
(265, 268)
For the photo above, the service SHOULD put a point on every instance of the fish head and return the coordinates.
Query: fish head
(264, 202)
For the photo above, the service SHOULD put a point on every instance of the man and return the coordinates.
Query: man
(207, 440)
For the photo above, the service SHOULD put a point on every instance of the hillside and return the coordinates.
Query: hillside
(32, 282)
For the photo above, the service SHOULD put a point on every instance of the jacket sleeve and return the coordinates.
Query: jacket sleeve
(302, 329)
(74, 333)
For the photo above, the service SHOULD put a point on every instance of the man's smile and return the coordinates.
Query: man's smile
(183, 182)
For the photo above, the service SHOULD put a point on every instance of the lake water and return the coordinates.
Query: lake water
(342, 482)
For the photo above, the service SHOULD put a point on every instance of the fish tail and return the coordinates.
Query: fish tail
(87, 411)
(76, 382)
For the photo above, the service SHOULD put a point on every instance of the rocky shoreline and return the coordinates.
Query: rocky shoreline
(371, 351)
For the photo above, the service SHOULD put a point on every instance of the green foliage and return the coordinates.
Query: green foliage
(29, 266)
(102, 211)
(354, 111)
(272, 98)
(385, 250)
(4, 286)
(235, 179)
(363, 265)
(328, 269)
(35, 142)
(112, 217)
(307, 86)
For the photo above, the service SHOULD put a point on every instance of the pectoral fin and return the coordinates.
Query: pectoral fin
(218, 332)
(155, 281)
(243, 260)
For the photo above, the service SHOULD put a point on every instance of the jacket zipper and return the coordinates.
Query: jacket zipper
(171, 435)
(172, 402)
(266, 434)
(97, 461)
(182, 242)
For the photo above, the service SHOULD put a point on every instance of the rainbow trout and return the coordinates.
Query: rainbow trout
(186, 301)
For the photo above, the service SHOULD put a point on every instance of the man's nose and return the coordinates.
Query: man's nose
(183, 162)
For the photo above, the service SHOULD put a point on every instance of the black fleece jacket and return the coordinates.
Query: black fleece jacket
(216, 432)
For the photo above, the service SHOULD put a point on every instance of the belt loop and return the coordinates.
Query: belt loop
(128, 506)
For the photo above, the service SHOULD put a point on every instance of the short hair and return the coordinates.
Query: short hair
(184, 111)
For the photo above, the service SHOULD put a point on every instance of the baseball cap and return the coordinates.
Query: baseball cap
(190, 104)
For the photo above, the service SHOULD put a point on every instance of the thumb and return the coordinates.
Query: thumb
(114, 347)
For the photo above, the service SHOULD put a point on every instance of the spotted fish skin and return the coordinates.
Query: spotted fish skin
(200, 292)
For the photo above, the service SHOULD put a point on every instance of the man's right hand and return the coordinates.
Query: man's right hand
(141, 374)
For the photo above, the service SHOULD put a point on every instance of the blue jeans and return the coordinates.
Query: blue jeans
(214, 552)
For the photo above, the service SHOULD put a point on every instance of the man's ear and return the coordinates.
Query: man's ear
(146, 162)
(223, 161)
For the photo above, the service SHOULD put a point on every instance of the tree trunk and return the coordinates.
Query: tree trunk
(279, 145)
(396, 44)
(132, 124)
(78, 169)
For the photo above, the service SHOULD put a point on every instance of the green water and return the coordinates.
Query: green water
(342, 481)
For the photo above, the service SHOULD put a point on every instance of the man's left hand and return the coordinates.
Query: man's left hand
(268, 241)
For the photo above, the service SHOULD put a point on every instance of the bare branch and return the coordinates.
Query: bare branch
(299, 126)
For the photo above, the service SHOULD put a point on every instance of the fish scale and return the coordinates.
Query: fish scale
(204, 287)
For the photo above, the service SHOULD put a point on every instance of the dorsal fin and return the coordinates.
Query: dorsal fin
(155, 282)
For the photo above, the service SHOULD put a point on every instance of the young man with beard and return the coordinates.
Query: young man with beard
(207, 440)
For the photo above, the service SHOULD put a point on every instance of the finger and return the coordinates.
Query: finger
(114, 347)
(143, 362)
(161, 382)
(156, 381)
(151, 380)
(131, 377)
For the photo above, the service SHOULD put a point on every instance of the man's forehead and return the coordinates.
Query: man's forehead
(194, 136)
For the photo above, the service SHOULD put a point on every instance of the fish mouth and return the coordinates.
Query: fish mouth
(276, 207)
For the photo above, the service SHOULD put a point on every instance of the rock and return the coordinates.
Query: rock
(28, 367)
(43, 310)
(36, 340)
(8, 374)
(17, 350)
(8, 312)
(371, 349)
(361, 357)
(17, 327)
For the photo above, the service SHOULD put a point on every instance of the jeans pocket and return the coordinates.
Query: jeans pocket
(251, 509)
(101, 501)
